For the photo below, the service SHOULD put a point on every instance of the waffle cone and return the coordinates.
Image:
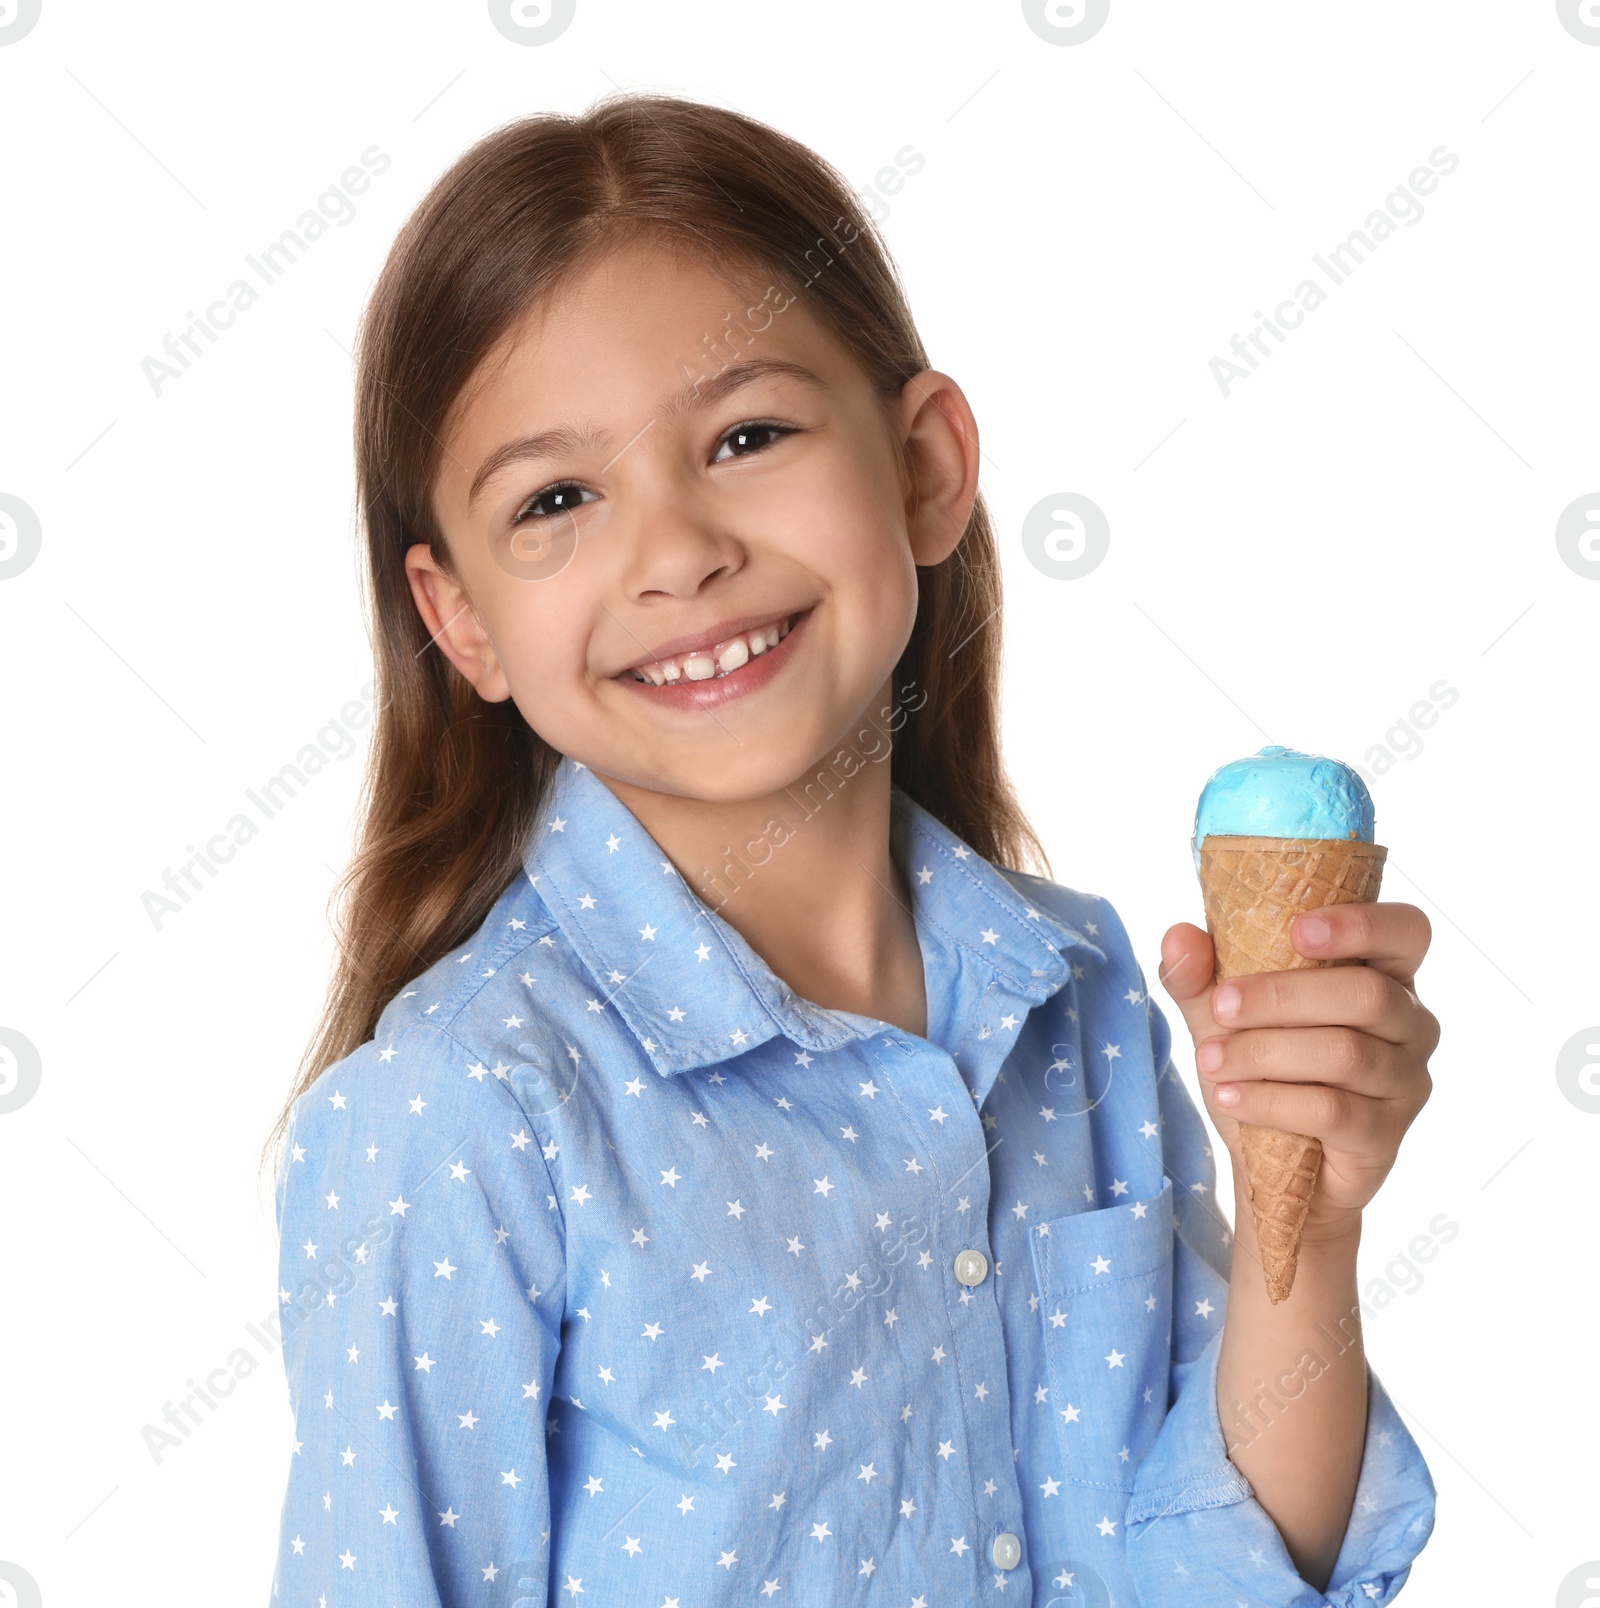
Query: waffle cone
(1254, 887)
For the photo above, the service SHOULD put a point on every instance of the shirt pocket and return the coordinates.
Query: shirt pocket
(1105, 1284)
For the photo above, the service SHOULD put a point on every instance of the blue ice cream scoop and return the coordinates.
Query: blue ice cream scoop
(1282, 793)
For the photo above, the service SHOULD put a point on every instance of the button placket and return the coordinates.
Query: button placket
(958, 1148)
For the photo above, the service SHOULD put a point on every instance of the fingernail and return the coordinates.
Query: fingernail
(1312, 930)
(1208, 1057)
(1225, 1002)
(1227, 1094)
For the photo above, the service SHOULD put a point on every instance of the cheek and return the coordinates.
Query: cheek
(877, 589)
(859, 547)
(542, 646)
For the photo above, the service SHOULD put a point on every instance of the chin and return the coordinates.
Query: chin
(727, 773)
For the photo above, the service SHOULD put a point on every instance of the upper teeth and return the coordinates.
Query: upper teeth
(704, 664)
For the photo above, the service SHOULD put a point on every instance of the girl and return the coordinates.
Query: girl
(720, 1175)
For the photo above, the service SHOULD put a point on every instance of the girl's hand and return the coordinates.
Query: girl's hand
(1338, 1052)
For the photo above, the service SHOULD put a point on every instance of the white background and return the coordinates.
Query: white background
(1371, 512)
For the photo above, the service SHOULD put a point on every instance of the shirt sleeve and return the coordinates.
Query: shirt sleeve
(422, 1274)
(1196, 1535)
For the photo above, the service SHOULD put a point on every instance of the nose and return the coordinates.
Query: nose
(674, 546)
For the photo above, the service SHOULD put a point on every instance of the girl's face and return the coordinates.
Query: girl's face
(699, 590)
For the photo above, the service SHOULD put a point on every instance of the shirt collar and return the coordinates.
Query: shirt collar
(691, 989)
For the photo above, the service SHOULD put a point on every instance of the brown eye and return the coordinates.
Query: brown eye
(560, 498)
(750, 437)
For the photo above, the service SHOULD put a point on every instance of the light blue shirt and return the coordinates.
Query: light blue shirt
(614, 1273)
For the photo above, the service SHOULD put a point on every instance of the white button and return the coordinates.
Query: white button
(971, 1267)
(1006, 1551)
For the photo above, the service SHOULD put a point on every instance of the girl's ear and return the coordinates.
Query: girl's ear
(941, 444)
(454, 625)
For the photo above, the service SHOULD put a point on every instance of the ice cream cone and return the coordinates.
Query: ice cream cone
(1254, 887)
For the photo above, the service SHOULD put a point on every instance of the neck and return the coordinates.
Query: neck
(806, 878)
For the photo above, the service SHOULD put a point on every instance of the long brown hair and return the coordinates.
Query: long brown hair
(454, 784)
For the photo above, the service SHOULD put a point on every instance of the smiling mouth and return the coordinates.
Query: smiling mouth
(718, 659)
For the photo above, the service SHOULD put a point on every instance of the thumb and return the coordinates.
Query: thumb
(1188, 964)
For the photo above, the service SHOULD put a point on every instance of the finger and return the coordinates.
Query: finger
(1340, 1119)
(1339, 1056)
(1342, 996)
(1188, 962)
(1389, 936)
(1188, 969)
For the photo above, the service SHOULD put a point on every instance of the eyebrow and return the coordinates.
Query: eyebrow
(702, 393)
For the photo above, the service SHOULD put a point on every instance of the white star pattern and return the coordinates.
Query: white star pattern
(597, 1153)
